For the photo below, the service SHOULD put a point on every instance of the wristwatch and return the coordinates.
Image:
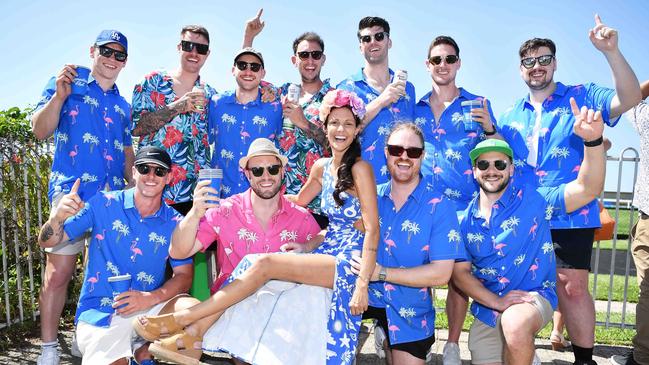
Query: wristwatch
(383, 273)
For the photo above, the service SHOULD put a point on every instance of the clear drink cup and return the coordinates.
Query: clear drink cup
(470, 125)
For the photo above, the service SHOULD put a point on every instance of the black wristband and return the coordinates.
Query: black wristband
(594, 143)
(490, 133)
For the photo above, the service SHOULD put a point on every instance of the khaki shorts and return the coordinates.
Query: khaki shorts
(487, 343)
(104, 345)
(68, 248)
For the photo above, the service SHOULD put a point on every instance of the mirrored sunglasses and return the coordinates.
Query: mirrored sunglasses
(450, 59)
(500, 165)
(544, 60)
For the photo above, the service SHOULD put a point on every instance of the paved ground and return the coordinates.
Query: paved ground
(28, 354)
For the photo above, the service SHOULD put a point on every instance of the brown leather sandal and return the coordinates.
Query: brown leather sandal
(156, 327)
(178, 349)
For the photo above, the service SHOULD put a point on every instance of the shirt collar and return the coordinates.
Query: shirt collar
(129, 203)
(92, 81)
(360, 76)
(284, 203)
(560, 91)
(505, 200)
(464, 95)
(230, 97)
(416, 194)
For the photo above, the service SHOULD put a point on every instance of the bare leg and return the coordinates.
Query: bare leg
(576, 303)
(519, 323)
(58, 272)
(402, 357)
(457, 304)
(312, 269)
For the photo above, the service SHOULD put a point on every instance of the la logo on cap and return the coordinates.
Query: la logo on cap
(115, 36)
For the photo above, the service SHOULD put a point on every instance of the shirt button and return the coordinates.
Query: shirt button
(500, 293)
(502, 268)
(137, 238)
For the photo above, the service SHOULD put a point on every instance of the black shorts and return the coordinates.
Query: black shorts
(418, 349)
(573, 247)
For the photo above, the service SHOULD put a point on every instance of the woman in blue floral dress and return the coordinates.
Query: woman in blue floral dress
(347, 186)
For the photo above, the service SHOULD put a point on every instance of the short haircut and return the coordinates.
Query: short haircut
(309, 37)
(198, 29)
(443, 39)
(408, 125)
(371, 21)
(535, 43)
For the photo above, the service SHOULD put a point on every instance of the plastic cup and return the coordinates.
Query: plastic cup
(215, 176)
(470, 125)
(120, 284)
(80, 83)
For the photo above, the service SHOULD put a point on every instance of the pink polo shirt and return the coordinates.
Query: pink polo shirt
(234, 225)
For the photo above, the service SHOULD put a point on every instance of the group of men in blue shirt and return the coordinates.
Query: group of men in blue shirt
(181, 114)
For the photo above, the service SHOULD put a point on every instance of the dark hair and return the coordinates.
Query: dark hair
(309, 37)
(443, 39)
(535, 43)
(345, 178)
(406, 124)
(198, 29)
(371, 21)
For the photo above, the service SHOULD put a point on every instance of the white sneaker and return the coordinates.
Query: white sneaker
(451, 354)
(49, 356)
(536, 360)
(379, 338)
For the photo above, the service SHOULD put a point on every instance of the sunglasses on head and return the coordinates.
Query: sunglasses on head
(544, 60)
(379, 37)
(243, 65)
(316, 55)
(145, 169)
(187, 46)
(257, 171)
(412, 152)
(108, 52)
(450, 59)
(500, 165)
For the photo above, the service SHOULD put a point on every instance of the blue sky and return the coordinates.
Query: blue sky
(40, 36)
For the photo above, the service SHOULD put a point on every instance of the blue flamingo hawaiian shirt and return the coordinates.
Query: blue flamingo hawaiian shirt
(184, 137)
(89, 140)
(423, 230)
(514, 250)
(560, 151)
(232, 127)
(448, 146)
(373, 136)
(122, 242)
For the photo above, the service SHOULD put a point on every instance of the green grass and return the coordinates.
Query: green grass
(618, 288)
(623, 230)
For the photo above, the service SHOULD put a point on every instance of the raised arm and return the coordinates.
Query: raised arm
(644, 88)
(46, 119)
(254, 26)
(52, 232)
(389, 96)
(627, 90)
(590, 180)
(184, 242)
(151, 122)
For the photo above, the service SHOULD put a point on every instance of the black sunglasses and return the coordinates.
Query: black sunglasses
(412, 152)
(316, 55)
(108, 52)
(257, 171)
(500, 165)
(145, 169)
(450, 59)
(544, 60)
(201, 48)
(243, 65)
(379, 37)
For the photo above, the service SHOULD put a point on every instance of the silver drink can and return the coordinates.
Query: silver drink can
(293, 93)
(400, 75)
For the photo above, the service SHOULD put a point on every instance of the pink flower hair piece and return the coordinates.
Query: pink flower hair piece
(341, 98)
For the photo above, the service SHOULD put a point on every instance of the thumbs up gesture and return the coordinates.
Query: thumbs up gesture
(70, 204)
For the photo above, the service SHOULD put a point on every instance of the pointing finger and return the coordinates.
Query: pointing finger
(261, 10)
(598, 20)
(75, 187)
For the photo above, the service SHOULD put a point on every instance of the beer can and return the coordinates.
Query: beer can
(200, 88)
(293, 93)
(400, 75)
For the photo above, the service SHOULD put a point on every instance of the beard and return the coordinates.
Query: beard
(266, 194)
(491, 190)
